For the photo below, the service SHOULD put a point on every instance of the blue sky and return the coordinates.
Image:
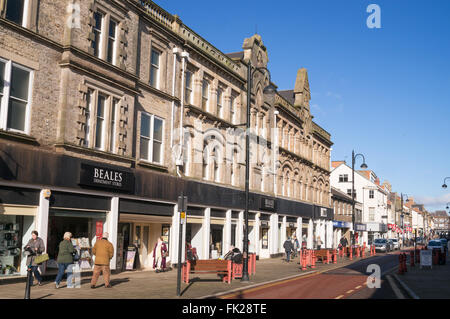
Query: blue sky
(383, 92)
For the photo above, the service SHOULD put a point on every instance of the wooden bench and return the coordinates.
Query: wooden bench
(324, 255)
(219, 267)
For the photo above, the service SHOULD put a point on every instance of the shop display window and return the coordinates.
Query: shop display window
(83, 231)
(10, 244)
(265, 238)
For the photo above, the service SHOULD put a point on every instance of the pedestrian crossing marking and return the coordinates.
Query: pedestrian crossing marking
(339, 297)
(350, 291)
(358, 287)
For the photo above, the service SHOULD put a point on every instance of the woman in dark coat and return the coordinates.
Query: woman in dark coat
(35, 247)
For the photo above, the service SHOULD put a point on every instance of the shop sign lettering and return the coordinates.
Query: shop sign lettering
(106, 178)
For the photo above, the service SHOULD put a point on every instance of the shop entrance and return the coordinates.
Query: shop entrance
(141, 241)
(216, 241)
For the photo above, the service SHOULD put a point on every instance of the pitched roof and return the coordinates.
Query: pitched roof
(235, 55)
(288, 95)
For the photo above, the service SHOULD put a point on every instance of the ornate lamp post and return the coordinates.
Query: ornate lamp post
(402, 216)
(445, 185)
(270, 89)
(363, 166)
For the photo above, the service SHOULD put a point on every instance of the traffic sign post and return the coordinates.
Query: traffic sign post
(182, 208)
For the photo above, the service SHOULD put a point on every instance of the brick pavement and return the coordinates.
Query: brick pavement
(149, 285)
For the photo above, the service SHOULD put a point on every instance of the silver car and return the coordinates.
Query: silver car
(383, 245)
(395, 242)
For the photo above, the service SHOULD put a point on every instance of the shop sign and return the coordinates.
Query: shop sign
(104, 177)
(268, 204)
(264, 223)
(291, 225)
(323, 212)
(360, 227)
(341, 224)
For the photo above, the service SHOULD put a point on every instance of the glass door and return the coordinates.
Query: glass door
(141, 240)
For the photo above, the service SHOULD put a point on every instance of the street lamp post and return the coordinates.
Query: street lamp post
(270, 89)
(402, 216)
(445, 185)
(363, 166)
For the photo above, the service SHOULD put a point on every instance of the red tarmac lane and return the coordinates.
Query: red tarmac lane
(346, 282)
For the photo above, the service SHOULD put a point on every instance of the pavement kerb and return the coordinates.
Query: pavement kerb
(407, 289)
(280, 280)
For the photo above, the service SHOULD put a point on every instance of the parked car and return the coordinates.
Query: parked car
(435, 244)
(395, 242)
(382, 244)
(444, 243)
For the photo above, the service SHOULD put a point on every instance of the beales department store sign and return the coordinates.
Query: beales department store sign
(105, 177)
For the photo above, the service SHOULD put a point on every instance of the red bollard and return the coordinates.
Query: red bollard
(335, 257)
(304, 261)
(313, 259)
(351, 253)
(405, 269)
(411, 258)
(358, 252)
(364, 251)
(400, 264)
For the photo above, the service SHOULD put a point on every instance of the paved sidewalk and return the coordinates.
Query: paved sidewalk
(149, 285)
(428, 283)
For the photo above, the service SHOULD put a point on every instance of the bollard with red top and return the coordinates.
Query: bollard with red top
(364, 251)
(313, 259)
(405, 269)
(303, 261)
(400, 264)
(334, 256)
(351, 253)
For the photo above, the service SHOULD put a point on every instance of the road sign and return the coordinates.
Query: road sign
(183, 217)
(426, 258)
(182, 203)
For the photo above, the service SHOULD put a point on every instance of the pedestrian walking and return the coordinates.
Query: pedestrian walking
(159, 255)
(103, 251)
(65, 260)
(288, 247)
(319, 242)
(34, 247)
(296, 244)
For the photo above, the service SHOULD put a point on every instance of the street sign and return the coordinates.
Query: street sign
(182, 217)
(182, 204)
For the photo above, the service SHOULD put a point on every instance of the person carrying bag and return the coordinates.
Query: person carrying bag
(35, 247)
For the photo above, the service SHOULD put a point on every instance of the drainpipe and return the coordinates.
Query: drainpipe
(275, 143)
(175, 52)
(179, 161)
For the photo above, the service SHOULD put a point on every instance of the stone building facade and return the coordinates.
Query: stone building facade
(111, 109)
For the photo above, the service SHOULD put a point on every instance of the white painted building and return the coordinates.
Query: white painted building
(372, 196)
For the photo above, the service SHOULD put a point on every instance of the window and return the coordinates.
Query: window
(232, 110)
(154, 69)
(151, 138)
(100, 126)
(111, 57)
(349, 193)
(371, 194)
(90, 99)
(112, 133)
(15, 94)
(97, 30)
(188, 90)
(219, 102)
(205, 95)
(371, 214)
(343, 178)
(16, 11)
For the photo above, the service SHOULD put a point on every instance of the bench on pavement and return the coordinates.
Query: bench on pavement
(219, 267)
(324, 255)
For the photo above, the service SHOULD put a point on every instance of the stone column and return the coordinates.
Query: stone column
(273, 240)
(174, 236)
(240, 232)
(298, 232)
(310, 240)
(227, 232)
(255, 238)
(111, 227)
(206, 231)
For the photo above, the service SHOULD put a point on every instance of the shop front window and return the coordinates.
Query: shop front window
(265, 238)
(216, 244)
(10, 244)
(84, 227)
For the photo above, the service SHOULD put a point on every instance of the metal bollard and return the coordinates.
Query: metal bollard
(411, 258)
